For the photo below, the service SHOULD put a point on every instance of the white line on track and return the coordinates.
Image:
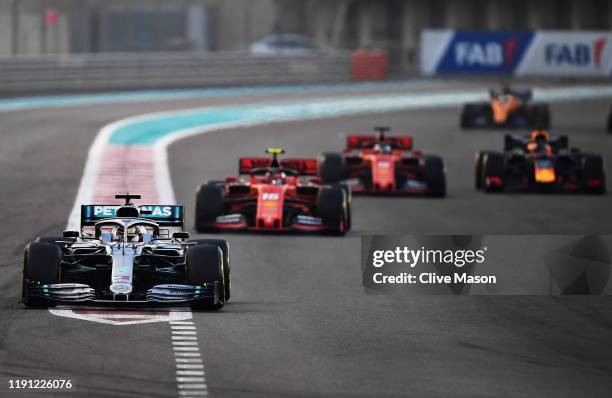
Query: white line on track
(187, 354)
(189, 366)
(189, 360)
(186, 349)
(189, 371)
(181, 379)
(201, 386)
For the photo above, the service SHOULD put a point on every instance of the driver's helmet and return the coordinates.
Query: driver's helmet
(383, 147)
(266, 177)
(278, 178)
(134, 234)
(539, 136)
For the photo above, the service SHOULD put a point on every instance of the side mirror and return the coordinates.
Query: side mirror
(231, 179)
(71, 234)
(180, 235)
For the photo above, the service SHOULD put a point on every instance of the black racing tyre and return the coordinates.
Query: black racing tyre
(562, 142)
(434, 175)
(479, 173)
(349, 202)
(56, 240)
(41, 264)
(473, 111)
(204, 264)
(224, 246)
(510, 143)
(331, 208)
(210, 204)
(493, 165)
(467, 116)
(593, 169)
(330, 167)
(486, 111)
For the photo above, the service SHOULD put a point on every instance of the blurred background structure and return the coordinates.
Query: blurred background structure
(43, 27)
(78, 26)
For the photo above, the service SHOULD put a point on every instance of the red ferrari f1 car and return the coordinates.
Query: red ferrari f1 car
(278, 196)
(542, 164)
(381, 164)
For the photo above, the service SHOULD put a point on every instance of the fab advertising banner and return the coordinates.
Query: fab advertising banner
(538, 53)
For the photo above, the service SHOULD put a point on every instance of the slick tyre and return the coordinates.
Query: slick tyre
(593, 169)
(330, 167)
(204, 264)
(493, 166)
(434, 175)
(210, 204)
(348, 195)
(468, 113)
(225, 250)
(41, 264)
(479, 171)
(331, 208)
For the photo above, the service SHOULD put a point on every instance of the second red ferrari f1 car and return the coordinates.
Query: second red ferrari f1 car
(277, 196)
(382, 164)
(540, 163)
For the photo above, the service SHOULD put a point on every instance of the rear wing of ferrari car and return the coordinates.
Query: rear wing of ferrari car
(305, 167)
(403, 142)
(163, 215)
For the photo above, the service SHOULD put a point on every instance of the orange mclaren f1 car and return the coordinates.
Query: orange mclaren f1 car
(541, 164)
(506, 109)
(277, 196)
(383, 164)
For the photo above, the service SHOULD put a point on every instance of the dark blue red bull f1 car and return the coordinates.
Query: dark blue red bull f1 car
(542, 164)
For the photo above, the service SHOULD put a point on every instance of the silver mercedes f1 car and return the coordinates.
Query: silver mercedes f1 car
(127, 255)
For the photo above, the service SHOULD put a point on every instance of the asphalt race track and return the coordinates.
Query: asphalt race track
(299, 323)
